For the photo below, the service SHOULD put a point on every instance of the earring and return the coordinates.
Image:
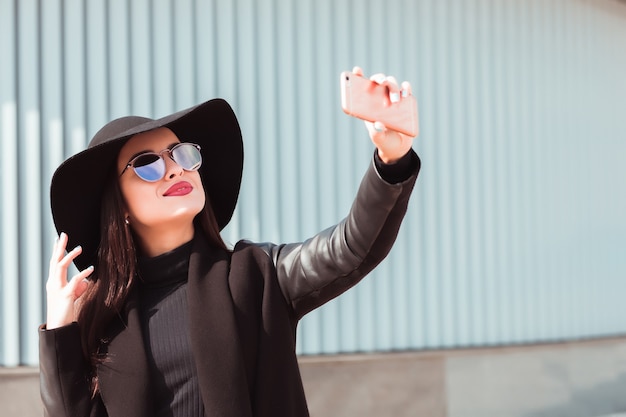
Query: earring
(126, 221)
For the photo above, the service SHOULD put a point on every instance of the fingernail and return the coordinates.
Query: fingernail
(405, 93)
(77, 248)
(377, 128)
(90, 267)
(394, 97)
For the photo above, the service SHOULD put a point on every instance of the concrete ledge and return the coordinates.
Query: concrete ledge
(398, 385)
(19, 392)
(573, 379)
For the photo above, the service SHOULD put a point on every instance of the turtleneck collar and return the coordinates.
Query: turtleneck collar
(167, 269)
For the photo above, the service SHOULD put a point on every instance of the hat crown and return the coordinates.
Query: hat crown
(115, 128)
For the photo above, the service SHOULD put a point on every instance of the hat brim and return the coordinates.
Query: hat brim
(77, 184)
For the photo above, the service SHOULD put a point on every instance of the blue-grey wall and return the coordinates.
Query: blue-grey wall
(516, 231)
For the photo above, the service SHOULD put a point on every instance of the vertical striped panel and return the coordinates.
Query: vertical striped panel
(29, 196)
(9, 207)
(515, 232)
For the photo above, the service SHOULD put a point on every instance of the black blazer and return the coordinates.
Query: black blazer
(244, 309)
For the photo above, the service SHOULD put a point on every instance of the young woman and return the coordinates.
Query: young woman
(163, 319)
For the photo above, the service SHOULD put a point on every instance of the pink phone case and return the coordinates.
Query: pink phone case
(368, 100)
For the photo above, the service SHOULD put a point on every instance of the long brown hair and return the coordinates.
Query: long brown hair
(116, 270)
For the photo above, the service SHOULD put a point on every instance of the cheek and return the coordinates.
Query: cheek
(194, 202)
(202, 200)
(199, 189)
(137, 199)
(136, 203)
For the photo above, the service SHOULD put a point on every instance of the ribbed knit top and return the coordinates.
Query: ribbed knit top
(165, 327)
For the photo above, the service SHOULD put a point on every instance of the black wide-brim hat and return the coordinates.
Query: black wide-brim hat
(78, 183)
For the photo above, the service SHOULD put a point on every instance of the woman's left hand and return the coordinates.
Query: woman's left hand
(391, 145)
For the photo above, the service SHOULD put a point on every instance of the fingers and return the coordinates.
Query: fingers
(388, 80)
(61, 293)
(58, 251)
(60, 262)
(395, 91)
(67, 260)
(406, 89)
(59, 248)
(380, 78)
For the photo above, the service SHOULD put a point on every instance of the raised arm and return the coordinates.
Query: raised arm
(317, 270)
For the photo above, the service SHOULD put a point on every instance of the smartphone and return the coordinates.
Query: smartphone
(368, 100)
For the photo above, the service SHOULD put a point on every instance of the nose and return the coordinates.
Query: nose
(172, 169)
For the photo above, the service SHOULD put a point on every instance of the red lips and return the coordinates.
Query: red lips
(178, 189)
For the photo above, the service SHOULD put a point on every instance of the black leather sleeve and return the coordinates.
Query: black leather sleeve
(64, 382)
(317, 270)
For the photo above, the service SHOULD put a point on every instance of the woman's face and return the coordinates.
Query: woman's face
(167, 205)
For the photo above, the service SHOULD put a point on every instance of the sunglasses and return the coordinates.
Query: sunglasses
(150, 166)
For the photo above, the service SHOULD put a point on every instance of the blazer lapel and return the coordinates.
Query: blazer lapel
(214, 337)
(124, 376)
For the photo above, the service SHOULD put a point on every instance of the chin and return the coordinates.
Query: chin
(185, 212)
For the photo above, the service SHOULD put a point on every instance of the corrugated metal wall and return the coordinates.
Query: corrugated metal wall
(516, 232)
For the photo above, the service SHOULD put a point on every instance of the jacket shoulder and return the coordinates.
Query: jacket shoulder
(264, 250)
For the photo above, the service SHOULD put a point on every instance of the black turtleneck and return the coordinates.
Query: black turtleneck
(165, 326)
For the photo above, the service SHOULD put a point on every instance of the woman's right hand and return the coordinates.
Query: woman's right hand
(62, 294)
(391, 145)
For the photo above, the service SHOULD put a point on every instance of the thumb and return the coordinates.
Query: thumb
(80, 287)
(377, 131)
(79, 283)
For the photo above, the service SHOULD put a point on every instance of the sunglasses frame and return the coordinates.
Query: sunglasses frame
(131, 162)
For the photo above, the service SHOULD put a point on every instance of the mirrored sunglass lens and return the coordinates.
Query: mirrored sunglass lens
(145, 159)
(149, 167)
(187, 156)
